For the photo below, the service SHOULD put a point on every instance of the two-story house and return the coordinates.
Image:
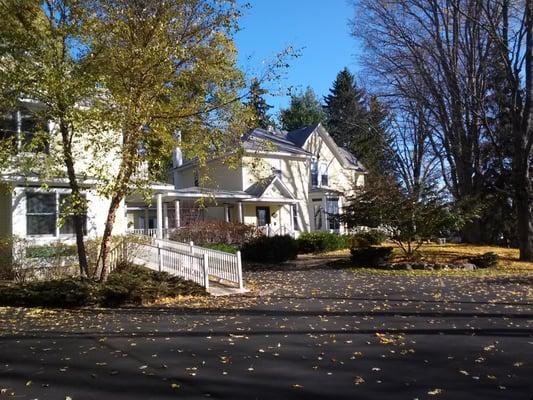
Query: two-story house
(32, 206)
(284, 182)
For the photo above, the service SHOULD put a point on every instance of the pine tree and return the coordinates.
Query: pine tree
(346, 110)
(359, 123)
(259, 105)
(304, 109)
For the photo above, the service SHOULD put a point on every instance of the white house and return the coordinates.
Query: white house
(284, 183)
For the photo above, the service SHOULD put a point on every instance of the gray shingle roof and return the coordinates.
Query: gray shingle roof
(260, 139)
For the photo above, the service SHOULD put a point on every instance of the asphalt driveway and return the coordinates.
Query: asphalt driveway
(310, 333)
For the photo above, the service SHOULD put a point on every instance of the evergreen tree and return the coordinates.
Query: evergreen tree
(259, 106)
(305, 109)
(359, 123)
(346, 110)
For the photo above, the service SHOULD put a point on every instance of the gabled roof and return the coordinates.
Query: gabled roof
(260, 188)
(300, 136)
(263, 140)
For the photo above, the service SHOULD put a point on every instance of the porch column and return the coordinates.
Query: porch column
(146, 217)
(226, 212)
(165, 218)
(159, 216)
(292, 211)
(341, 224)
(240, 212)
(177, 213)
(325, 227)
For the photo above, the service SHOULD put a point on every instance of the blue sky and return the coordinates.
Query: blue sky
(319, 27)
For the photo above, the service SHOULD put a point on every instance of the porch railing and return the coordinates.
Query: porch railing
(271, 230)
(225, 267)
(193, 267)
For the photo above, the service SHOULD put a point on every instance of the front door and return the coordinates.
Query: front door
(263, 215)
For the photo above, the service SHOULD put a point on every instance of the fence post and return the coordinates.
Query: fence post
(124, 250)
(159, 258)
(191, 245)
(206, 271)
(239, 270)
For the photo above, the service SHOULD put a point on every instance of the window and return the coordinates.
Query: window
(332, 204)
(68, 219)
(263, 215)
(314, 173)
(8, 130)
(24, 129)
(317, 212)
(43, 211)
(323, 172)
(40, 213)
(196, 179)
(276, 172)
(295, 217)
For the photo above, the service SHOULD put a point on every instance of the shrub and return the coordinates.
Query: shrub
(370, 256)
(128, 284)
(131, 284)
(486, 260)
(52, 251)
(369, 238)
(66, 293)
(270, 249)
(319, 242)
(206, 232)
(227, 248)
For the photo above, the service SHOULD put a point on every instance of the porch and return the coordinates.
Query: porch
(172, 209)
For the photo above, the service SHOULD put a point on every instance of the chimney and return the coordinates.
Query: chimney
(177, 157)
(177, 161)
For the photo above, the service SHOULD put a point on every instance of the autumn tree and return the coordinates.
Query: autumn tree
(166, 66)
(44, 59)
(304, 109)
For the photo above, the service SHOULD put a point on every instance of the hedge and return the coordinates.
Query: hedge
(128, 284)
(370, 256)
(320, 242)
(270, 249)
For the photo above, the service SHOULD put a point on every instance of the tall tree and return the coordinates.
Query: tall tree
(510, 24)
(304, 109)
(43, 57)
(258, 104)
(166, 66)
(430, 53)
(346, 110)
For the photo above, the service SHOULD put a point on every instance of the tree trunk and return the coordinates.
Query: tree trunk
(523, 137)
(105, 247)
(80, 209)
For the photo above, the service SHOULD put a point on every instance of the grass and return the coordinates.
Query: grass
(454, 253)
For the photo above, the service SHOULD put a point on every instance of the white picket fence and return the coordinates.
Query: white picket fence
(189, 266)
(225, 267)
